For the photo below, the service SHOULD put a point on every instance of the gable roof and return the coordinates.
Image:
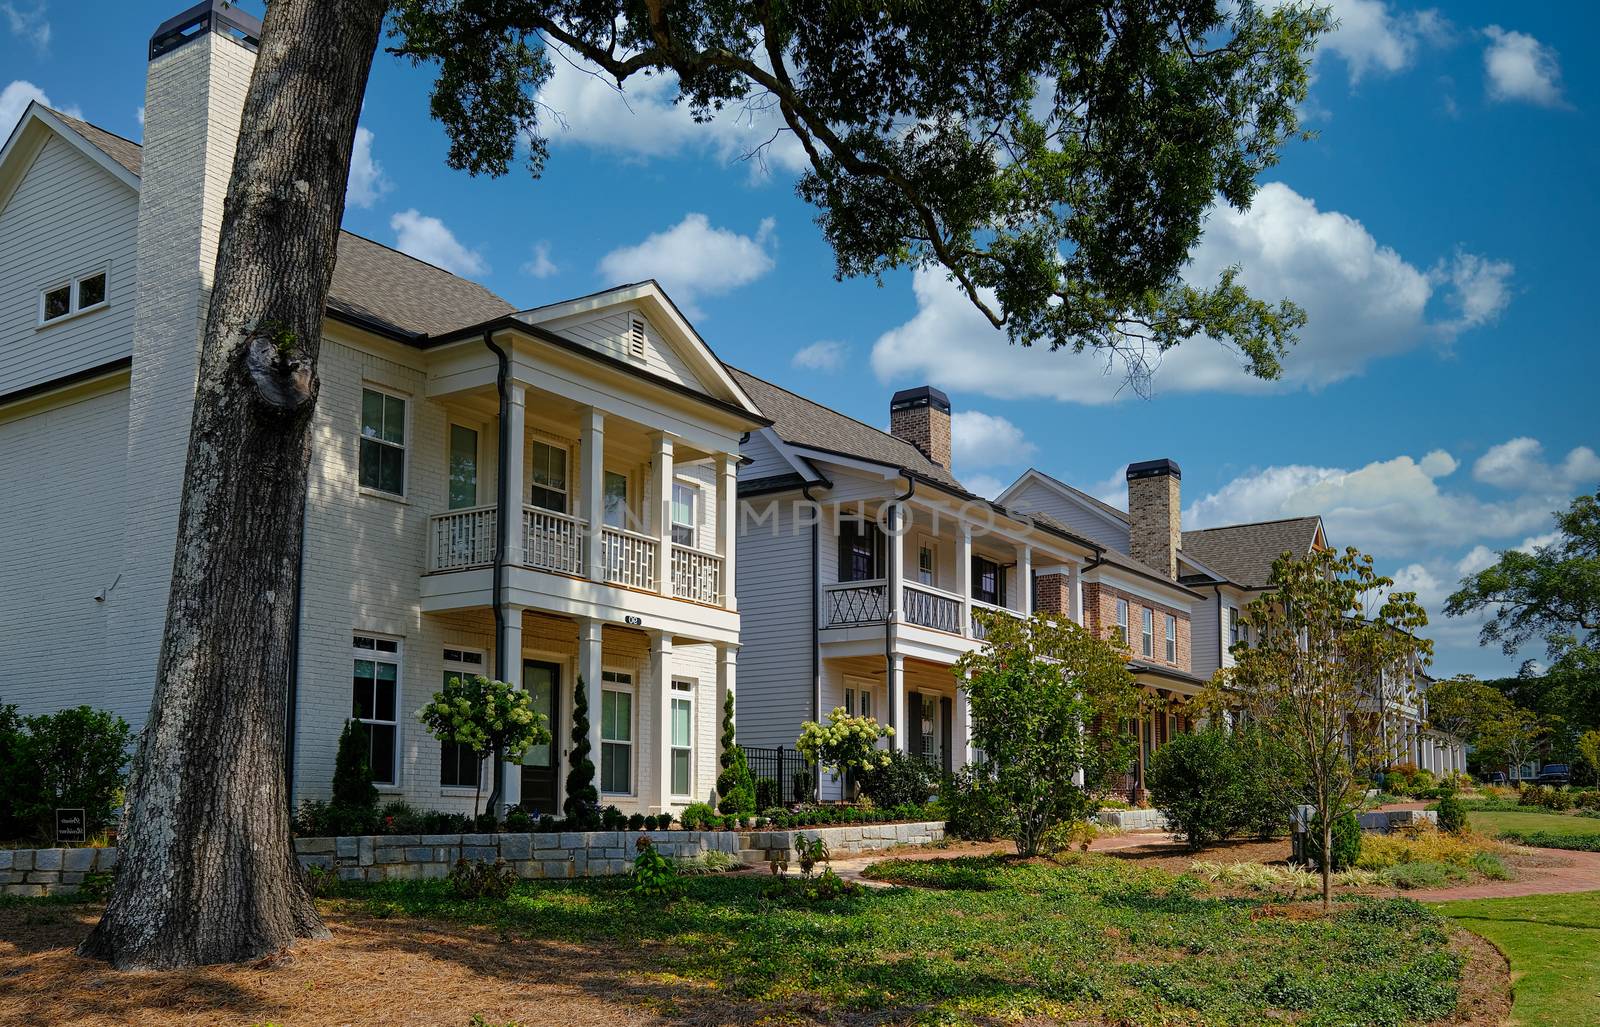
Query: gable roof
(1114, 557)
(1244, 552)
(373, 286)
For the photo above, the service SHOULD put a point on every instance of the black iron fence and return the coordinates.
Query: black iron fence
(780, 765)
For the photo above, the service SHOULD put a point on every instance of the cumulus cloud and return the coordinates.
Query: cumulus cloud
(367, 180)
(540, 265)
(14, 100)
(427, 238)
(693, 260)
(1372, 38)
(1363, 300)
(1520, 68)
(985, 485)
(822, 355)
(1519, 464)
(31, 24)
(978, 439)
(642, 122)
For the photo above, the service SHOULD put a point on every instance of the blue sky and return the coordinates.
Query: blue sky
(1439, 231)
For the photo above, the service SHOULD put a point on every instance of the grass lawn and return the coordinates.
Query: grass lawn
(1552, 830)
(1551, 941)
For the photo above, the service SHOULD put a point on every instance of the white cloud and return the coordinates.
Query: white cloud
(985, 485)
(1481, 556)
(692, 260)
(1363, 301)
(1519, 464)
(540, 265)
(13, 101)
(427, 238)
(367, 180)
(31, 25)
(641, 122)
(822, 355)
(1371, 38)
(1519, 67)
(140, 115)
(978, 439)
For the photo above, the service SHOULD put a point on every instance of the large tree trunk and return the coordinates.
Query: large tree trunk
(208, 872)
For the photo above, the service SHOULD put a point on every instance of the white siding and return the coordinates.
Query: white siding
(765, 460)
(609, 335)
(1203, 648)
(1077, 515)
(61, 493)
(775, 594)
(67, 217)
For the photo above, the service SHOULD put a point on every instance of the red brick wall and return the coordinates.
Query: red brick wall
(1100, 616)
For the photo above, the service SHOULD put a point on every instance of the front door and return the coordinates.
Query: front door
(541, 768)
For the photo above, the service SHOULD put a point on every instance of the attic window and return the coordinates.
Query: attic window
(636, 339)
(75, 296)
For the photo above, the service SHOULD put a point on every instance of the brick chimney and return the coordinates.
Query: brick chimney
(921, 416)
(1155, 534)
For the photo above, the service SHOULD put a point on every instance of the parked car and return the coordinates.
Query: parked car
(1555, 774)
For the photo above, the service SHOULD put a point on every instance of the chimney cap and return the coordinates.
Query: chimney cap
(922, 395)
(217, 16)
(1154, 469)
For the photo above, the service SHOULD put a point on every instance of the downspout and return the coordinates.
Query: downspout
(502, 532)
(292, 706)
(816, 626)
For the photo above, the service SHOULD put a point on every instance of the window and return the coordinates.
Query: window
(861, 550)
(858, 700)
(72, 297)
(866, 702)
(459, 766)
(927, 563)
(616, 499)
(682, 737)
(685, 509)
(547, 471)
(1147, 632)
(988, 581)
(374, 701)
(463, 467)
(383, 442)
(1172, 639)
(1122, 621)
(1235, 626)
(850, 701)
(616, 732)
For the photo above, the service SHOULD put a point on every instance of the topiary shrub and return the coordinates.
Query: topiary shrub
(1452, 815)
(1195, 781)
(1346, 842)
(582, 804)
(903, 778)
(736, 790)
(352, 775)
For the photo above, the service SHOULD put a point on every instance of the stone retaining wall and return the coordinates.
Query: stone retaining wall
(563, 854)
(1133, 819)
(758, 847)
(1386, 821)
(35, 872)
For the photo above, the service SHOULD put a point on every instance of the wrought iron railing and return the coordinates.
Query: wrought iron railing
(932, 608)
(857, 602)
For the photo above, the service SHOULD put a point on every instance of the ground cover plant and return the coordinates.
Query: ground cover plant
(1542, 830)
(1550, 942)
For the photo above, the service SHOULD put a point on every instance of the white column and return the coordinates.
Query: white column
(516, 489)
(897, 561)
(728, 524)
(511, 642)
(964, 576)
(590, 661)
(727, 684)
(661, 689)
(592, 452)
(897, 704)
(1075, 601)
(961, 731)
(1025, 581)
(661, 467)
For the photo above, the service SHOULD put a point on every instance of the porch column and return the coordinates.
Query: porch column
(1075, 586)
(728, 523)
(590, 661)
(727, 684)
(592, 451)
(516, 434)
(895, 540)
(900, 742)
(661, 684)
(661, 467)
(964, 576)
(511, 671)
(1025, 581)
(961, 731)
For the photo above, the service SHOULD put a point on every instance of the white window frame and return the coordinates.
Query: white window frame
(683, 691)
(626, 522)
(1122, 622)
(1172, 638)
(1147, 631)
(477, 428)
(858, 700)
(566, 449)
(73, 284)
(404, 447)
(693, 524)
(1235, 626)
(376, 654)
(463, 668)
(609, 683)
(932, 571)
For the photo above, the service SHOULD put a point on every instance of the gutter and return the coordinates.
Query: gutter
(502, 532)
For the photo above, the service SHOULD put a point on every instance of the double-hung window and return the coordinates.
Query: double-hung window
(988, 581)
(547, 477)
(74, 296)
(463, 467)
(383, 442)
(1236, 632)
(1172, 639)
(927, 563)
(685, 513)
(459, 766)
(861, 550)
(616, 500)
(375, 700)
(682, 737)
(616, 732)
(1147, 632)
(1122, 621)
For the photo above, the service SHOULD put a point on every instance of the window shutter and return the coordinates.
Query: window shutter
(946, 723)
(636, 339)
(914, 722)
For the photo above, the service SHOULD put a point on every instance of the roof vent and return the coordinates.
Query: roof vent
(636, 339)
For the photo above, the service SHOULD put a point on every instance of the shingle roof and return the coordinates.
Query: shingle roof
(1244, 552)
(370, 281)
(802, 422)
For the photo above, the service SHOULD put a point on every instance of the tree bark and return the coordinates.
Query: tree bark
(208, 871)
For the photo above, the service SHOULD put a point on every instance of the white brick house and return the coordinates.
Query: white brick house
(591, 443)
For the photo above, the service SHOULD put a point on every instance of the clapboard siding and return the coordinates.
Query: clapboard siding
(609, 335)
(775, 630)
(765, 460)
(68, 216)
(1037, 497)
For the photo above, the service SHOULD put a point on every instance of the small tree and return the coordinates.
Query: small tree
(1512, 738)
(843, 744)
(1048, 699)
(1463, 707)
(1327, 629)
(491, 718)
(1586, 765)
(736, 789)
(582, 803)
(352, 773)
(1197, 783)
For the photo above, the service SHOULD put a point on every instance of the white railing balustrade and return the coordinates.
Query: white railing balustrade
(932, 608)
(629, 557)
(857, 602)
(461, 539)
(552, 541)
(696, 576)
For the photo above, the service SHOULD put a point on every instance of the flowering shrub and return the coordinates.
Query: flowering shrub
(844, 743)
(489, 718)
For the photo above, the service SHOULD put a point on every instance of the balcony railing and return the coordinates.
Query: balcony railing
(979, 632)
(857, 602)
(461, 539)
(552, 541)
(696, 576)
(932, 608)
(629, 558)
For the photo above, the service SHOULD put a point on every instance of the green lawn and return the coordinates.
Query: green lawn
(1552, 941)
(1553, 830)
(1095, 940)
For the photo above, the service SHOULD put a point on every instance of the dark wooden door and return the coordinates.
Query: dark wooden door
(541, 768)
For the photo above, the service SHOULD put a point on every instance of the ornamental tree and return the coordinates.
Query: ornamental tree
(844, 743)
(491, 718)
(1048, 700)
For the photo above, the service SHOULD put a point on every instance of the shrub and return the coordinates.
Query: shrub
(352, 776)
(1421, 875)
(1346, 842)
(636, 822)
(904, 778)
(12, 740)
(480, 879)
(1554, 840)
(973, 810)
(612, 819)
(1452, 816)
(74, 758)
(517, 821)
(845, 743)
(1267, 799)
(1195, 781)
(582, 804)
(736, 791)
(653, 873)
(697, 816)
(767, 794)
(664, 820)
(1382, 851)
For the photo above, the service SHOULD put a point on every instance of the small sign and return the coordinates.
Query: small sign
(71, 826)
(634, 621)
(345, 861)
